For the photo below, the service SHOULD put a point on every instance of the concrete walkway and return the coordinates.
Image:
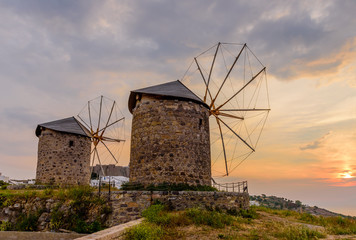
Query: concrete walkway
(111, 233)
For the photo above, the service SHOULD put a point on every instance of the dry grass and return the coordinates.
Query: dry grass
(269, 224)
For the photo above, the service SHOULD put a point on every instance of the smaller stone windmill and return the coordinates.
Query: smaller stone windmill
(170, 136)
(64, 149)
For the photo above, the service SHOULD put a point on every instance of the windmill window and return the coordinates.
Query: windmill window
(200, 122)
(71, 143)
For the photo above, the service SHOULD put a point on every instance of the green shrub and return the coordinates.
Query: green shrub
(249, 213)
(166, 187)
(156, 214)
(27, 222)
(159, 215)
(80, 193)
(48, 192)
(3, 185)
(307, 217)
(341, 225)
(81, 226)
(57, 218)
(298, 233)
(5, 226)
(210, 218)
(128, 186)
(144, 231)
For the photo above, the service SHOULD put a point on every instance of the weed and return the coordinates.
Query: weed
(340, 225)
(48, 192)
(249, 213)
(144, 231)
(27, 222)
(5, 226)
(227, 236)
(159, 215)
(298, 233)
(155, 213)
(57, 218)
(167, 187)
(210, 218)
(254, 235)
(3, 185)
(307, 217)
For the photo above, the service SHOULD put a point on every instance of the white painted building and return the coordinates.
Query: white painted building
(254, 203)
(4, 178)
(115, 181)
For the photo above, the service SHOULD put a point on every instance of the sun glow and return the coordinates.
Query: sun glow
(346, 175)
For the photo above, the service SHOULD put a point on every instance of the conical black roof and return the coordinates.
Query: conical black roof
(174, 89)
(66, 125)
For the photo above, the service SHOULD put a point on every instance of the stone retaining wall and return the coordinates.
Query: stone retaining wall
(128, 205)
(43, 209)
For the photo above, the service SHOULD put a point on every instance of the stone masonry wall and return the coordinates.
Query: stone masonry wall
(46, 208)
(128, 205)
(170, 142)
(63, 158)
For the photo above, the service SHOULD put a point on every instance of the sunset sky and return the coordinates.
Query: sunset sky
(57, 55)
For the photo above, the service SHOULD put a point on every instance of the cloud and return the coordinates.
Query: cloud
(316, 144)
(341, 182)
(56, 55)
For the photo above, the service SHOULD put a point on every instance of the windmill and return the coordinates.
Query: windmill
(106, 124)
(232, 81)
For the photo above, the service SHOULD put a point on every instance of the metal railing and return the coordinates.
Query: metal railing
(240, 187)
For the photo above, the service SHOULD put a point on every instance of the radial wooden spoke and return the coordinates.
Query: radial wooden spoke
(109, 151)
(202, 75)
(101, 166)
(112, 140)
(223, 145)
(245, 110)
(92, 162)
(253, 78)
(227, 75)
(235, 133)
(211, 70)
(93, 152)
(229, 115)
(107, 122)
(91, 125)
(111, 124)
(101, 104)
(83, 121)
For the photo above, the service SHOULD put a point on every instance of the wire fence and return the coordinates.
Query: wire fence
(107, 186)
(240, 187)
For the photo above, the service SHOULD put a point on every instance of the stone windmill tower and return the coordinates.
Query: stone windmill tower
(170, 136)
(64, 148)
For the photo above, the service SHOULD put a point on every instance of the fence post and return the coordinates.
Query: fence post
(99, 185)
(109, 188)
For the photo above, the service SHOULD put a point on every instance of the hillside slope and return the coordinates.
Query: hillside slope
(274, 202)
(257, 223)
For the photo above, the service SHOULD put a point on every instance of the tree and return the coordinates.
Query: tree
(298, 203)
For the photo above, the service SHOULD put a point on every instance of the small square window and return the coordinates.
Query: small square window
(71, 143)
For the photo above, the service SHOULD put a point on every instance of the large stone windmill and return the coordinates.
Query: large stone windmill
(179, 136)
(170, 136)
